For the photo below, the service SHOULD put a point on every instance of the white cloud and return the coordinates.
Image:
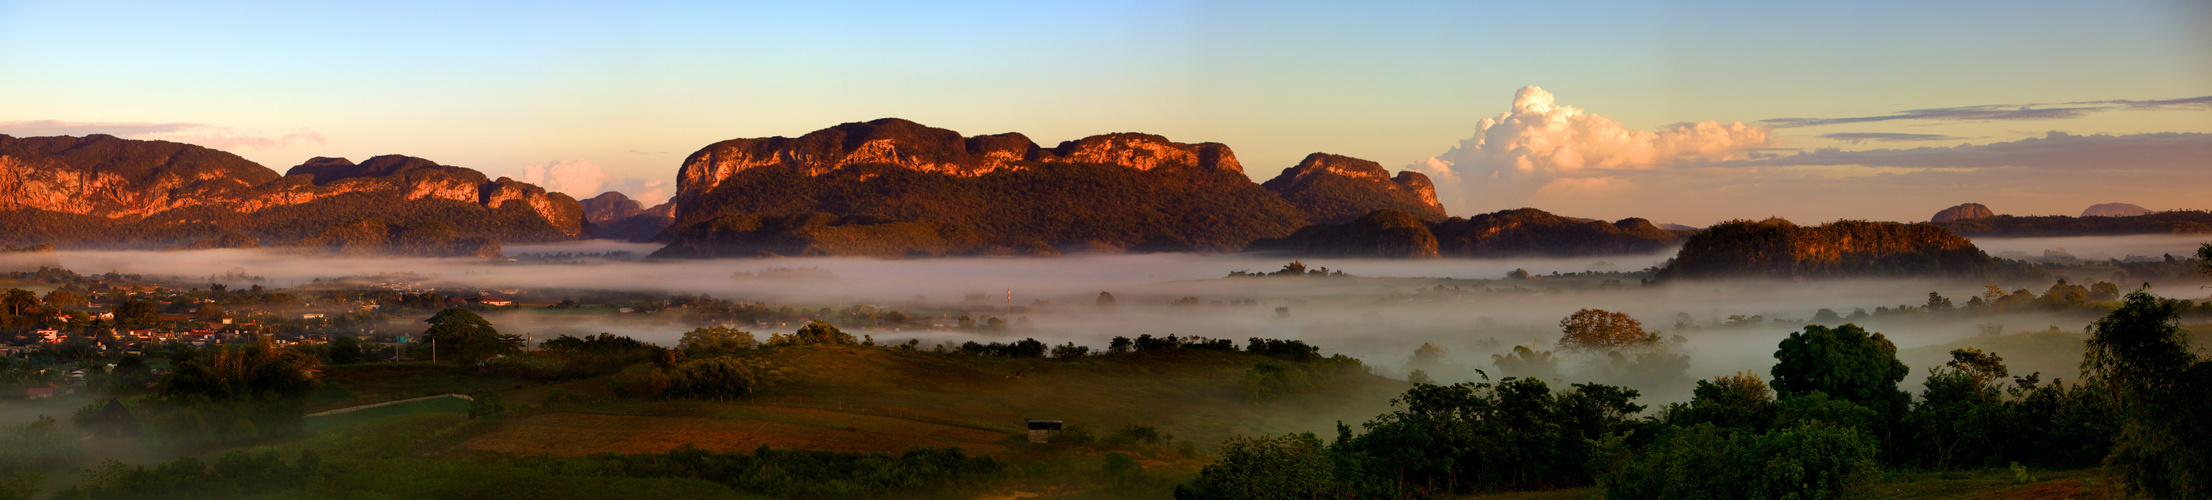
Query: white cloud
(647, 192)
(578, 178)
(224, 138)
(581, 179)
(1543, 146)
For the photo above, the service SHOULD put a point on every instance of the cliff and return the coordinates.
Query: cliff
(1963, 212)
(103, 191)
(1508, 233)
(1776, 248)
(1111, 193)
(611, 215)
(1335, 189)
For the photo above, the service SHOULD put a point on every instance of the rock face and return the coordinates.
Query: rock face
(1775, 248)
(1509, 233)
(609, 207)
(2114, 210)
(103, 191)
(1108, 193)
(617, 217)
(1963, 212)
(1335, 189)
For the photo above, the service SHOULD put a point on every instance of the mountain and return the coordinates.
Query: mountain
(1336, 189)
(2115, 210)
(983, 194)
(1776, 248)
(2008, 226)
(1383, 233)
(102, 191)
(1508, 233)
(615, 216)
(1963, 212)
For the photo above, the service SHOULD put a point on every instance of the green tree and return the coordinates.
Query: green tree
(1290, 466)
(1597, 329)
(463, 336)
(2163, 392)
(822, 333)
(19, 302)
(715, 340)
(1846, 362)
(346, 350)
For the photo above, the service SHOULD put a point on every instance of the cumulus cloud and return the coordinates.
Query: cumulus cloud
(201, 134)
(647, 192)
(1541, 146)
(578, 178)
(582, 179)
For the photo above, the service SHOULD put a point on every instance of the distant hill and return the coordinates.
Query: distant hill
(1509, 233)
(1336, 189)
(611, 215)
(2009, 226)
(2114, 210)
(1963, 212)
(102, 191)
(1776, 248)
(1113, 193)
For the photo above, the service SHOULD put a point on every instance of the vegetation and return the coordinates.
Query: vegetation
(1775, 248)
(1522, 232)
(2162, 389)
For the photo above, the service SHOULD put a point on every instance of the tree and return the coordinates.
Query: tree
(715, 340)
(2104, 291)
(2204, 259)
(1845, 362)
(1290, 466)
(821, 333)
(137, 313)
(19, 302)
(1596, 329)
(1105, 299)
(2163, 392)
(464, 336)
(346, 350)
(1517, 274)
(1428, 355)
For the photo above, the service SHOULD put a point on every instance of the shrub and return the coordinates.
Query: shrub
(1266, 467)
(1810, 461)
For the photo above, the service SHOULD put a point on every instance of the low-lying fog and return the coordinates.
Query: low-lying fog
(1379, 316)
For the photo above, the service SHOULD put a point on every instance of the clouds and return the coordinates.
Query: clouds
(581, 179)
(2160, 152)
(1543, 146)
(1859, 137)
(2006, 112)
(224, 138)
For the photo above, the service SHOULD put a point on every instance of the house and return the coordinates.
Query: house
(1041, 430)
(114, 420)
(498, 302)
(42, 392)
(312, 316)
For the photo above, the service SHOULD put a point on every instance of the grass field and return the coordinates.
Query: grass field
(451, 406)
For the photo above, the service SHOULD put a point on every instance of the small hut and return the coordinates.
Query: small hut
(1041, 430)
(114, 420)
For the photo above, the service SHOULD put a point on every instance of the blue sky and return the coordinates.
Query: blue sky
(631, 88)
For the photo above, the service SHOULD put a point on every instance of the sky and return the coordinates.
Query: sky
(1681, 112)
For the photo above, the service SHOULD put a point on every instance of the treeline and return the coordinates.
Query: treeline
(1832, 420)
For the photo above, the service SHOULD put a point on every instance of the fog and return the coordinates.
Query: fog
(1380, 314)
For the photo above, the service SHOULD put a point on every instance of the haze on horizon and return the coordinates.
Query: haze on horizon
(1677, 112)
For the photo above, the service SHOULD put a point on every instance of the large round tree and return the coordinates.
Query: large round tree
(461, 335)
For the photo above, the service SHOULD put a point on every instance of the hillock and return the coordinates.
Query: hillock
(1776, 248)
(1509, 233)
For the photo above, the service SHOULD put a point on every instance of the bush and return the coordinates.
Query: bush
(1289, 466)
(1813, 460)
(711, 378)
